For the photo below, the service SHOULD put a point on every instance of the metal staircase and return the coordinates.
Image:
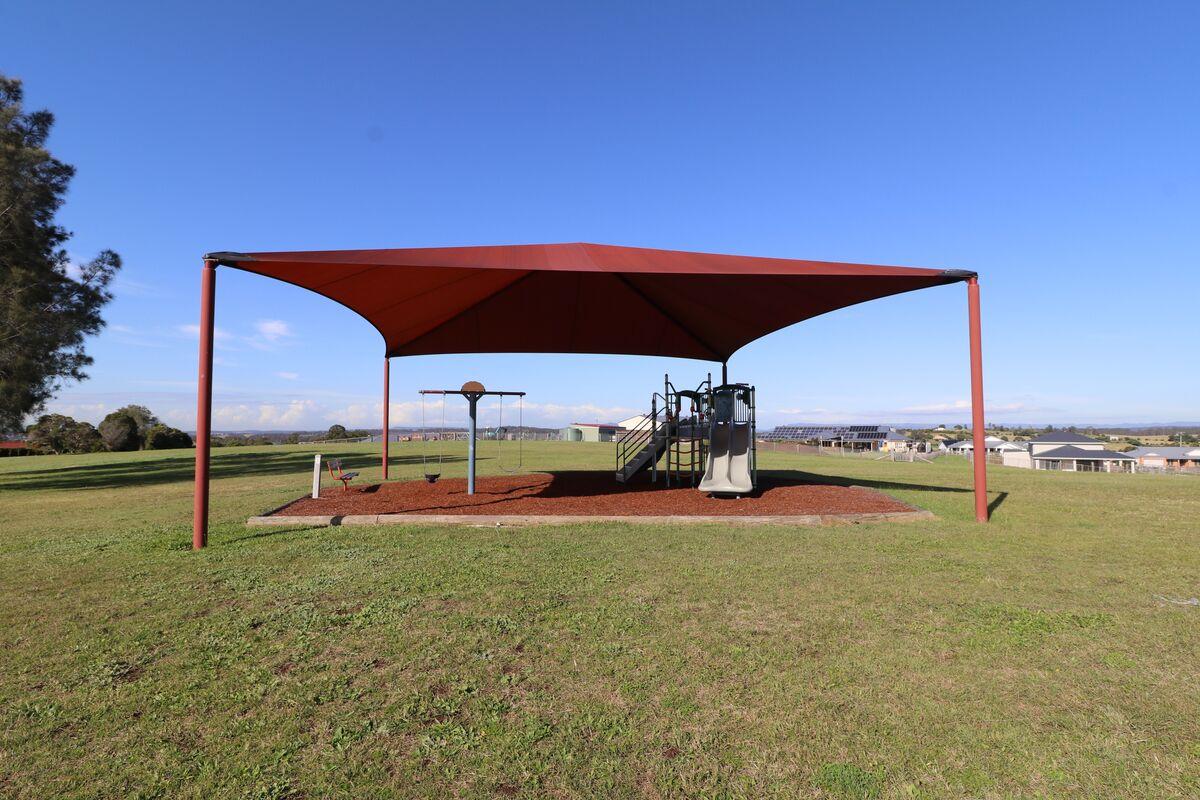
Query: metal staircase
(666, 430)
(642, 449)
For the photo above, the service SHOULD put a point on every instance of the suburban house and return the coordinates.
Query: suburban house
(1074, 452)
(633, 422)
(1166, 457)
(993, 444)
(591, 432)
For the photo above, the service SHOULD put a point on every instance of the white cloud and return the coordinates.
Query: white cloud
(946, 411)
(127, 286)
(400, 415)
(84, 412)
(964, 406)
(268, 416)
(556, 414)
(221, 337)
(269, 333)
(73, 269)
(133, 337)
(792, 416)
(408, 414)
(288, 376)
(272, 329)
(938, 408)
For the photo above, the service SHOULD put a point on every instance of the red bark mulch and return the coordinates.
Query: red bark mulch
(590, 493)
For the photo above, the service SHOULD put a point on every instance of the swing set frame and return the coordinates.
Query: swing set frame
(473, 391)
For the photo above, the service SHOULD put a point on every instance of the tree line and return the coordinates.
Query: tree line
(135, 427)
(130, 428)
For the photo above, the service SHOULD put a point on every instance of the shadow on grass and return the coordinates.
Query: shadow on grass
(797, 476)
(176, 468)
(271, 532)
(1000, 498)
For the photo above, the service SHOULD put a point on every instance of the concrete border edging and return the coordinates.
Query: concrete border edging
(523, 520)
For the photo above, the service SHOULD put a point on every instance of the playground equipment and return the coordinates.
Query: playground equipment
(335, 471)
(473, 391)
(713, 437)
(559, 298)
(502, 433)
(432, 477)
(732, 466)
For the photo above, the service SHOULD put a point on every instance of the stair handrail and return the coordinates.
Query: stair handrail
(642, 434)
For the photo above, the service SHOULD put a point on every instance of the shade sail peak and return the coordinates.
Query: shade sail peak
(580, 297)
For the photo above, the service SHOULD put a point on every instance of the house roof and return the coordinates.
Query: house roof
(994, 442)
(594, 425)
(1063, 437)
(1165, 452)
(1079, 454)
(846, 433)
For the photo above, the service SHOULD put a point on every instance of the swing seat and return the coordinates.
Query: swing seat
(432, 477)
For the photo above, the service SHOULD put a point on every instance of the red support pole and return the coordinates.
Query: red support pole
(208, 290)
(978, 444)
(386, 381)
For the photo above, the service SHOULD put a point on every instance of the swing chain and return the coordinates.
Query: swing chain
(520, 436)
(431, 476)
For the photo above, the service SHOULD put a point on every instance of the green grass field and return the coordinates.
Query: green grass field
(1026, 658)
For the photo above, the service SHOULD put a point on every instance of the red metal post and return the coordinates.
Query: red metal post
(208, 290)
(386, 381)
(978, 445)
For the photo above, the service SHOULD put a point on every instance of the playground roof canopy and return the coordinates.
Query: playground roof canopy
(580, 298)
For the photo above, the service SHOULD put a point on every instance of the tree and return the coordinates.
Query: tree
(119, 432)
(84, 438)
(145, 419)
(57, 433)
(292, 438)
(48, 305)
(163, 437)
(336, 432)
(50, 434)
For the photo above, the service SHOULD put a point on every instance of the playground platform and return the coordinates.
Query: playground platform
(583, 497)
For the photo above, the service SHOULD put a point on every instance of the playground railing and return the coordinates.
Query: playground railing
(634, 440)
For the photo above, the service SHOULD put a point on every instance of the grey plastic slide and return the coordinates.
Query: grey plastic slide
(728, 469)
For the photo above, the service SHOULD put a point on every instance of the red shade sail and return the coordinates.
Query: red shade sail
(580, 298)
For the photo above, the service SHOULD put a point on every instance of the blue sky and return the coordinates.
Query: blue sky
(1050, 147)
